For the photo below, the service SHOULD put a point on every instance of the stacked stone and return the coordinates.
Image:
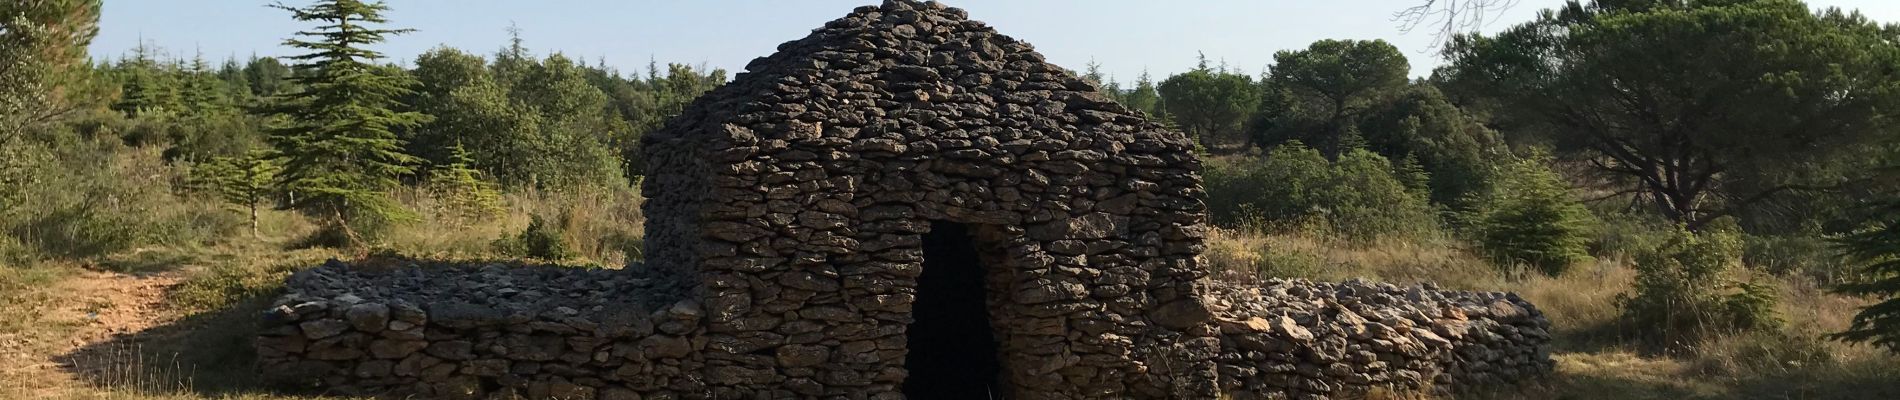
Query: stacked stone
(794, 199)
(475, 332)
(792, 203)
(1296, 339)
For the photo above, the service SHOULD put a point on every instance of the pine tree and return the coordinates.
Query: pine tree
(44, 73)
(339, 151)
(267, 76)
(243, 181)
(237, 87)
(149, 88)
(203, 93)
(464, 194)
(1879, 250)
(1144, 98)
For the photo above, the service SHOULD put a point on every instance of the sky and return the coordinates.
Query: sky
(1126, 37)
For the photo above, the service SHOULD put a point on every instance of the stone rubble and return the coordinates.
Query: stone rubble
(1302, 339)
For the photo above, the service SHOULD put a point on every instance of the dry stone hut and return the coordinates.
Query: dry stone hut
(904, 204)
(916, 195)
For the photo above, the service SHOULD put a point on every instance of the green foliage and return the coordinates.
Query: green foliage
(93, 198)
(267, 77)
(541, 240)
(246, 181)
(545, 124)
(1716, 106)
(1277, 262)
(339, 151)
(1877, 251)
(1801, 254)
(1690, 288)
(1529, 218)
(1316, 95)
(1294, 187)
(1210, 104)
(1417, 121)
(465, 196)
(42, 60)
(1144, 97)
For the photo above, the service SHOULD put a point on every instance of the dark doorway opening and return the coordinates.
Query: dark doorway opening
(952, 348)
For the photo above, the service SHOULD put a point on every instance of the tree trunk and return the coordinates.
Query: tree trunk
(254, 234)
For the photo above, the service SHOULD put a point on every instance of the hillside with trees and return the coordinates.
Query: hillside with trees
(1701, 194)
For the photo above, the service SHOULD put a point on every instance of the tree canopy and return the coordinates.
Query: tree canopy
(1210, 103)
(339, 149)
(1315, 95)
(1701, 107)
(42, 58)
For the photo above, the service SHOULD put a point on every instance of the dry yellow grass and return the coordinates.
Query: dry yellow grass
(189, 339)
(1593, 360)
(174, 322)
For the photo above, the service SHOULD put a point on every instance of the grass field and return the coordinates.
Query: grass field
(174, 322)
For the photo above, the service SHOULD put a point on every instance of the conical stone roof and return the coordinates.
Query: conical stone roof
(803, 187)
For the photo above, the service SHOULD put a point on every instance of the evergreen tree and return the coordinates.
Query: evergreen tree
(203, 94)
(1878, 249)
(1210, 103)
(148, 88)
(43, 67)
(1144, 98)
(339, 151)
(244, 181)
(1316, 95)
(465, 196)
(1530, 218)
(1706, 109)
(267, 76)
(237, 87)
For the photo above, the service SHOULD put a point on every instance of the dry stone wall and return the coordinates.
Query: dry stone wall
(455, 331)
(1301, 339)
(450, 331)
(787, 216)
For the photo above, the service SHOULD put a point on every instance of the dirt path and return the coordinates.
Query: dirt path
(86, 309)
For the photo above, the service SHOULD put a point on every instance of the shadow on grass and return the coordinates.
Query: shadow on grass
(1866, 379)
(206, 354)
(1563, 386)
(154, 260)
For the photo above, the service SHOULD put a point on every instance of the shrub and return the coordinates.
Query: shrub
(1807, 255)
(1688, 289)
(540, 240)
(1359, 196)
(1529, 218)
(1626, 233)
(90, 198)
(1275, 262)
(465, 196)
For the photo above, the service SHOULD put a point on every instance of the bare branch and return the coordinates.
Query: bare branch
(1448, 17)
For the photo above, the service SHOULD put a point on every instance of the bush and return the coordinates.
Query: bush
(1807, 255)
(1688, 289)
(1275, 262)
(1295, 188)
(540, 240)
(1529, 218)
(90, 198)
(1626, 233)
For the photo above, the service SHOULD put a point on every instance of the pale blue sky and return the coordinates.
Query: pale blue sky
(1125, 36)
